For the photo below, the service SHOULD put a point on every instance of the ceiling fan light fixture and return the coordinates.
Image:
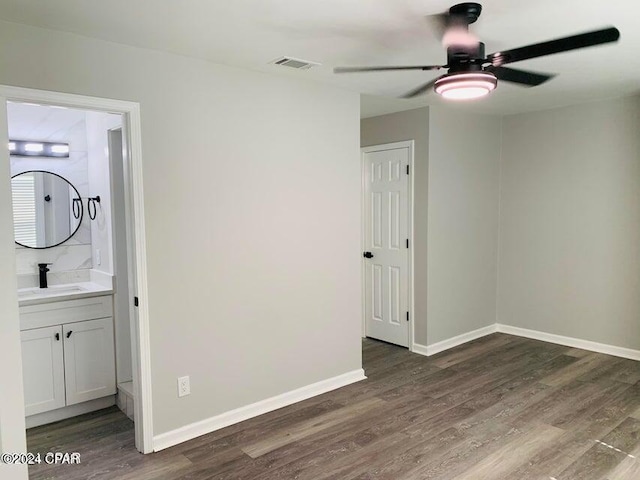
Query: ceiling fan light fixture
(465, 85)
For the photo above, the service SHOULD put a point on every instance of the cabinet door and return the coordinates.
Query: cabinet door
(42, 369)
(89, 360)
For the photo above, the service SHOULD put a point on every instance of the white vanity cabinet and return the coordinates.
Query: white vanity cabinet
(67, 362)
(89, 360)
(43, 369)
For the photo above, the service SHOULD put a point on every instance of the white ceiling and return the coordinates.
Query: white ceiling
(250, 33)
(42, 123)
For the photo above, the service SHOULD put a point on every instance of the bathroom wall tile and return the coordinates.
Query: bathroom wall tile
(63, 258)
(27, 281)
(83, 235)
(54, 278)
(71, 276)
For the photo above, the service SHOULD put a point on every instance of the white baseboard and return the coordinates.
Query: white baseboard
(571, 342)
(429, 350)
(188, 432)
(71, 411)
(419, 349)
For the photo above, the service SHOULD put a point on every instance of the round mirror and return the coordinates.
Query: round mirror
(47, 209)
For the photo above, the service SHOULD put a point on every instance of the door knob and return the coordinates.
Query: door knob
(368, 255)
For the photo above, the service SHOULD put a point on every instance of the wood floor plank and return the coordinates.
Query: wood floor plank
(577, 352)
(625, 437)
(551, 461)
(627, 469)
(607, 454)
(444, 455)
(512, 397)
(346, 437)
(614, 370)
(500, 407)
(575, 370)
(458, 354)
(559, 401)
(307, 428)
(218, 442)
(593, 465)
(352, 434)
(613, 412)
(500, 463)
(584, 406)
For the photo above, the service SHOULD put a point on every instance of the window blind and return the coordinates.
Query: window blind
(24, 209)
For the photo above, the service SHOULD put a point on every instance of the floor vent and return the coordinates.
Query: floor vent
(294, 63)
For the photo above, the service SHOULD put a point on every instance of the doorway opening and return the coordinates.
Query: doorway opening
(81, 260)
(387, 240)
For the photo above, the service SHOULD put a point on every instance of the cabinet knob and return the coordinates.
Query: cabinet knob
(57, 337)
(69, 333)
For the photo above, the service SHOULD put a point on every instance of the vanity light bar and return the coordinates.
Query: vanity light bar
(26, 148)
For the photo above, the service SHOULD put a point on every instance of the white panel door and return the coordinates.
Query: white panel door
(42, 369)
(89, 360)
(386, 188)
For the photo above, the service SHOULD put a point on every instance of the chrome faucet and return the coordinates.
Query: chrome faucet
(43, 274)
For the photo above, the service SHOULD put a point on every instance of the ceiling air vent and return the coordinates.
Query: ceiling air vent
(294, 63)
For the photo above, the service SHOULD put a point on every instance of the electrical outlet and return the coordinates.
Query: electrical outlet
(184, 388)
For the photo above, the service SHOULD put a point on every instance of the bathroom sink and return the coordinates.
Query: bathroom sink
(60, 293)
(51, 291)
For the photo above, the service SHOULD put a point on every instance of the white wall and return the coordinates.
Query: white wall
(252, 217)
(12, 425)
(570, 222)
(121, 298)
(464, 159)
(396, 127)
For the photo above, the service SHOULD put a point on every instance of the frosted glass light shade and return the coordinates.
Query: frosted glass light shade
(466, 85)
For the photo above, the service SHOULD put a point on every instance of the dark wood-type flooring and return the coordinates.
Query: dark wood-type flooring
(501, 407)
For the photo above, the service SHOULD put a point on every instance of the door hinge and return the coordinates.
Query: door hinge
(136, 302)
(407, 243)
(407, 169)
(407, 316)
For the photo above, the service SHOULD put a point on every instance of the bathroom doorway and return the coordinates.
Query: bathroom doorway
(92, 261)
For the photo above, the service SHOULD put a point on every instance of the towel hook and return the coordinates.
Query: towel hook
(91, 202)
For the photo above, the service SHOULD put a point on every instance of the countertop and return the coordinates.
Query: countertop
(59, 293)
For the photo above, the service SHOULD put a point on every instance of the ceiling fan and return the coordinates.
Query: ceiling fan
(471, 74)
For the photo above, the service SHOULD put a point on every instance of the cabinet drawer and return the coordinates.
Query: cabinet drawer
(57, 313)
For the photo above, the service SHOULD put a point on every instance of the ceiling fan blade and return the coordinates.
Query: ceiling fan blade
(421, 89)
(382, 69)
(565, 44)
(522, 77)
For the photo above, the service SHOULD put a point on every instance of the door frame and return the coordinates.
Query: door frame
(409, 144)
(134, 203)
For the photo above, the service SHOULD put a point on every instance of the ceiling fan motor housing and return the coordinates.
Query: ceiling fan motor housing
(467, 11)
(465, 59)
